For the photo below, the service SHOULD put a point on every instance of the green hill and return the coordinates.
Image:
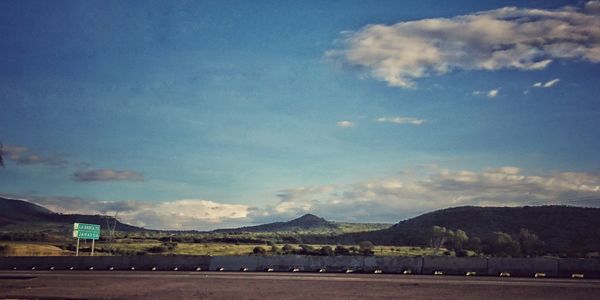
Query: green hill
(562, 228)
(22, 215)
(307, 224)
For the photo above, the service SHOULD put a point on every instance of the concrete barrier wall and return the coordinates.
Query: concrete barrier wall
(336, 263)
(523, 266)
(588, 267)
(393, 264)
(285, 263)
(455, 265)
(182, 262)
(234, 263)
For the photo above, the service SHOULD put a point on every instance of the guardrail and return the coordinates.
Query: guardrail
(471, 266)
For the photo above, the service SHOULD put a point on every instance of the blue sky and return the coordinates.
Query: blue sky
(229, 113)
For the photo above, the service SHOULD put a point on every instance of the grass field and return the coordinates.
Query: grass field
(31, 249)
(215, 249)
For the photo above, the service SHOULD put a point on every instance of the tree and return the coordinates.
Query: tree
(287, 249)
(460, 238)
(259, 250)
(306, 249)
(474, 244)
(366, 248)
(501, 244)
(530, 243)
(327, 251)
(439, 235)
(341, 250)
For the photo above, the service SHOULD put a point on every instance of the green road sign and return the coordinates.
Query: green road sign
(86, 231)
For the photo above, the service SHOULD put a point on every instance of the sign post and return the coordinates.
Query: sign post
(86, 231)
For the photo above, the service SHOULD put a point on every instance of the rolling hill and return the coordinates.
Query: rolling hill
(22, 214)
(562, 228)
(307, 224)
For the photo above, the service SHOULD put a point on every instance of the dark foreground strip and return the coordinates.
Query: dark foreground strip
(13, 277)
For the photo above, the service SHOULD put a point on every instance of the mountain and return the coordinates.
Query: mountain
(20, 213)
(562, 228)
(303, 223)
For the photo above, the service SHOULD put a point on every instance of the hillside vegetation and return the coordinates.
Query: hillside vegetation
(563, 229)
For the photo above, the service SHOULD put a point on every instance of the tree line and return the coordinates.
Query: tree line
(525, 243)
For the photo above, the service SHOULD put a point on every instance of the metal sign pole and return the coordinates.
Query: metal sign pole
(77, 251)
(93, 247)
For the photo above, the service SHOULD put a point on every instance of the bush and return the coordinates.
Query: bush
(157, 249)
(341, 250)
(287, 249)
(327, 251)
(462, 253)
(259, 250)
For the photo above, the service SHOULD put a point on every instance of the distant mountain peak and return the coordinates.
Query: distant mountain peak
(309, 220)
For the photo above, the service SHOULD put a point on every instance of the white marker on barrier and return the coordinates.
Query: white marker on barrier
(504, 274)
(51, 268)
(539, 275)
(438, 273)
(322, 270)
(111, 268)
(407, 272)
(295, 270)
(153, 269)
(269, 270)
(471, 274)
(221, 269)
(33, 268)
(132, 268)
(349, 271)
(91, 269)
(577, 275)
(176, 269)
(198, 269)
(378, 271)
(244, 269)
(71, 268)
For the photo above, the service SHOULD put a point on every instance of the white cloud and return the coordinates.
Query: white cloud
(187, 214)
(184, 214)
(392, 199)
(401, 120)
(505, 38)
(490, 94)
(388, 199)
(547, 84)
(345, 124)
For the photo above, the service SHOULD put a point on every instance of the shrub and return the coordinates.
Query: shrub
(157, 249)
(259, 250)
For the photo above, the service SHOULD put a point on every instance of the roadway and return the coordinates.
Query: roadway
(254, 285)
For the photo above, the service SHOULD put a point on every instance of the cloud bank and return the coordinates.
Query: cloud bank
(394, 199)
(184, 214)
(22, 155)
(380, 200)
(107, 175)
(505, 38)
(401, 120)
